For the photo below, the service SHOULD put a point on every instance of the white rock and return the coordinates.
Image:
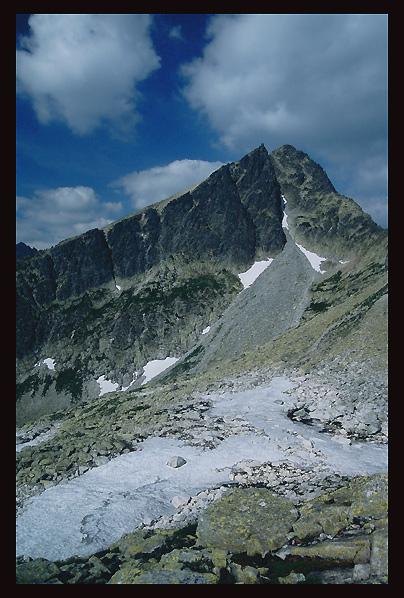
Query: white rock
(180, 500)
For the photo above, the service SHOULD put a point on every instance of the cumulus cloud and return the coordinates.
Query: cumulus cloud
(149, 186)
(290, 76)
(83, 69)
(318, 82)
(52, 215)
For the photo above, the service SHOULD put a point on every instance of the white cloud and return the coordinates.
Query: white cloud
(82, 69)
(293, 76)
(318, 82)
(150, 186)
(56, 214)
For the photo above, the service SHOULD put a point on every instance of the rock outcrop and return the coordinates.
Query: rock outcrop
(320, 219)
(249, 536)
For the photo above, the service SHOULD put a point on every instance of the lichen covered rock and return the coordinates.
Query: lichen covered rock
(363, 499)
(250, 520)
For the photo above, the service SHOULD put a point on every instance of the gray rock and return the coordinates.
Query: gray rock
(176, 462)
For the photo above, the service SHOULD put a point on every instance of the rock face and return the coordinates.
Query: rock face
(321, 219)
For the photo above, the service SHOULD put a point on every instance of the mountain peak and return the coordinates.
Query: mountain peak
(146, 286)
(23, 250)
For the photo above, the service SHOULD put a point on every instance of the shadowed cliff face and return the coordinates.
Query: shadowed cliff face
(108, 301)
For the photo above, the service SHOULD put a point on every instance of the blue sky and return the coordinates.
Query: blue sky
(116, 111)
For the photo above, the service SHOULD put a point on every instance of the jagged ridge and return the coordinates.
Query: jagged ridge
(108, 301)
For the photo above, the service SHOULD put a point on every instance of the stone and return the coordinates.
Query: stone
(180, 500)
(353, 550)
(292, 578)
(34, 571)
(363, 497)
(379, 552)
(137, 543)
(250, 520)
(246, 574)
(361, 572)
(177, 461)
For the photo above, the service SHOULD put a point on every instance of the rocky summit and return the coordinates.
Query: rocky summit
(202, 389)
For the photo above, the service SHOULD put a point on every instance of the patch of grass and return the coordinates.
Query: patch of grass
(328, 284)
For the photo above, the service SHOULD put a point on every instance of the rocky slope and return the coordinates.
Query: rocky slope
(109, 301)
(312, 324)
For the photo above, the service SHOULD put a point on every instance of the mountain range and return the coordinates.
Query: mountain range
(202, 389)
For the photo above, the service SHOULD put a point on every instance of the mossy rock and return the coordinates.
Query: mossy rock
(158, 574)
(140, 543)
(363, 499)
(33, 571)
(348, 550)
(250, 520)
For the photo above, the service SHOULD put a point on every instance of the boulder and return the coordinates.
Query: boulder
(362, 499)
(176, 461)
(250, 520)
(180, 500)
(35, 571)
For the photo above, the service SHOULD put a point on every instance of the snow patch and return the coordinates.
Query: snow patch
(130, 384)
(314, 259)
(248, 277)
(285, 216)
(156, 366)
(106, 385)
(50, 363)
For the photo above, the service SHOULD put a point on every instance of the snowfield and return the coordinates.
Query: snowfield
(248, 277)
(155, 367)
(90, 512)
(314, 259)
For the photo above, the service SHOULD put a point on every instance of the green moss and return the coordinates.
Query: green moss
(319, 307)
